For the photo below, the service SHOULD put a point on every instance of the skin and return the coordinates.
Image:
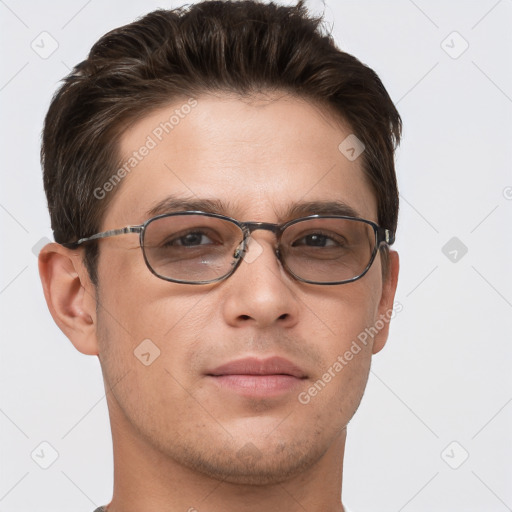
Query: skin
(180, 442)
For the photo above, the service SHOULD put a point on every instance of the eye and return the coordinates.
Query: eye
(190, 239)
(319, 240)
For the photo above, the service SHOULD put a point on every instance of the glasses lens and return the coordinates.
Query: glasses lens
(193, 248)
(328, 249)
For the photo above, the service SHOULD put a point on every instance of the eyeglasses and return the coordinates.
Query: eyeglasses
(194, 247)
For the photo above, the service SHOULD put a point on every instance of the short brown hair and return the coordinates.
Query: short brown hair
(241, 47)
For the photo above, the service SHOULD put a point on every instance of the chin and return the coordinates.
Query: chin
(252, 466)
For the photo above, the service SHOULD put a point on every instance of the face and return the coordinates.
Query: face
(259, 159)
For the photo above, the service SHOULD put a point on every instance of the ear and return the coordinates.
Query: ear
(386, 303)
(70, 295)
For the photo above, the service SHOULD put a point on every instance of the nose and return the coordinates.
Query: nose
(261, 293)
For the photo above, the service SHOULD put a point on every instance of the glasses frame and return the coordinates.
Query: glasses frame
(382, 236)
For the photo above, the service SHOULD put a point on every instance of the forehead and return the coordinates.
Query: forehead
(258, 159)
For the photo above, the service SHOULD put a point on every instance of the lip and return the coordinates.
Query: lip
(256, 377)
(254, 366)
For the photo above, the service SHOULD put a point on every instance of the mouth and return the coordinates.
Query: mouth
(258, 377)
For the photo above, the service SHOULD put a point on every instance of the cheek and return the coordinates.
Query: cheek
(140, 305)
(335, 392)
(143, 319)
(347, 315)
(145, 363)
(347, 311)
(349, 343)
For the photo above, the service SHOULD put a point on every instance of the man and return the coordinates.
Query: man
(222, 193)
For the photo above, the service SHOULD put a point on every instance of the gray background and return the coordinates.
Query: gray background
(441, 389)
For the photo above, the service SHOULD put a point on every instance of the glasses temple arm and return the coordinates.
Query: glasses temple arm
(386, 235)
(104, 234)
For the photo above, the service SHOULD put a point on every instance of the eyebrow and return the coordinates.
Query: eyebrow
(300, 209)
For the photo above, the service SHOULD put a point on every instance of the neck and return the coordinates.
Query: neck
(146, 479)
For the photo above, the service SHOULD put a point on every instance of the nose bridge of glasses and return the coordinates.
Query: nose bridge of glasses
(267, 226)
(250, 227)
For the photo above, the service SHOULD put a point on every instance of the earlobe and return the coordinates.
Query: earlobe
(70, 295)
(386, 303)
